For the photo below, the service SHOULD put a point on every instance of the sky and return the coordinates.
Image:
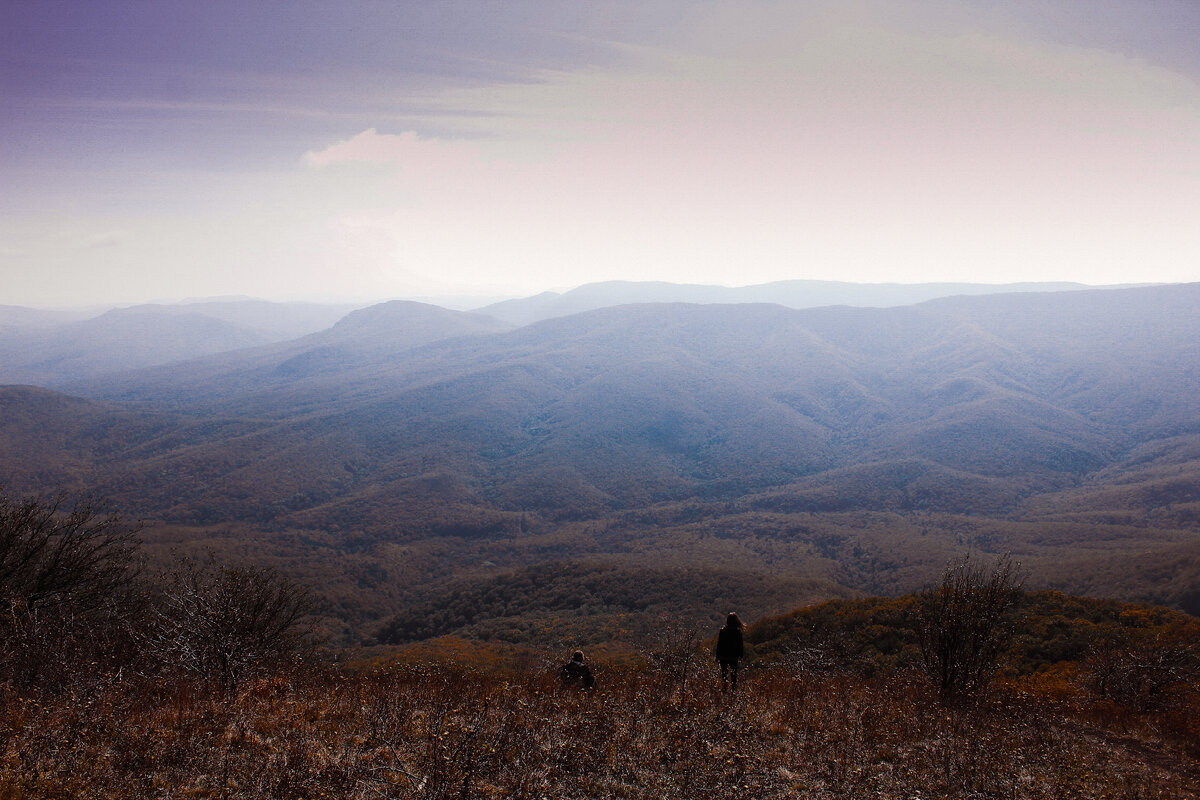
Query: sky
(352, 151)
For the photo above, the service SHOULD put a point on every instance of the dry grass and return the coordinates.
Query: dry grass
(448, 731)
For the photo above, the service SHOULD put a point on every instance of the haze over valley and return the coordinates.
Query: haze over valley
(607, 466)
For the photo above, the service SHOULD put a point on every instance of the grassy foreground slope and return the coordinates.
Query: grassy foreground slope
(204, 682)
(442, 733)
(467, 720)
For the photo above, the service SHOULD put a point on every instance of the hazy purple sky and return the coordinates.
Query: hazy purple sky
(343, 150)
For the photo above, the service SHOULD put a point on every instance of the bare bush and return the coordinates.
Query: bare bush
(964, 624)
(1142, 668)
(829, 654)
(52, 556)
(225, 623)
(675, 656)
(68, 581)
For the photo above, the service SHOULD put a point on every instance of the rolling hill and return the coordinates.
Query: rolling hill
(409, 448)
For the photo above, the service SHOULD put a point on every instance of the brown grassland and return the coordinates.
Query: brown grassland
(207, 681)
(468, 720)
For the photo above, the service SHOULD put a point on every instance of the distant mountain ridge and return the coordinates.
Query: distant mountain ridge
(59, 348)
(1019, 393)
(56, 348)
(20, 318)
(792, 293)
(367, 339)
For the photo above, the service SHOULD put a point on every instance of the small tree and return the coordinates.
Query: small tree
(225, 623)
(68, 573)
(965, 624)
(54, 557)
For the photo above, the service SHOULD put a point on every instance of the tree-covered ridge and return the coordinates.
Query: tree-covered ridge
(409, 451)
(604, 602)
(1151, 646)
(962, 405)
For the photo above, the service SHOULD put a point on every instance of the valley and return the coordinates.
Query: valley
(576, 478)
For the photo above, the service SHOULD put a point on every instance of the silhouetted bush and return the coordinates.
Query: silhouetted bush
(68, 587)
(964, 625)
(225, 623)
(1145, 667)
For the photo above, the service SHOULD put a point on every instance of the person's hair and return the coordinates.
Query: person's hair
(577, 655)
(733, 621)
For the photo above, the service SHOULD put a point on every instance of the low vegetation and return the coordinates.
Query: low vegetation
(198, 684)
(74, 603)
(454, 730)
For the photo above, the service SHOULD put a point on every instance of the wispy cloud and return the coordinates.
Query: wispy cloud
(735, 142)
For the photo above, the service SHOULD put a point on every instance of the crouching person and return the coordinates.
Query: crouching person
(576, 674)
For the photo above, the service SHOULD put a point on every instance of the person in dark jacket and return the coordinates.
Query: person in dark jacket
(576, 674)
(728, 650)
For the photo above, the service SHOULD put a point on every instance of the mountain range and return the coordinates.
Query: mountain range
(49, 348)
(792, 294)
(409, 453)
(53, 347)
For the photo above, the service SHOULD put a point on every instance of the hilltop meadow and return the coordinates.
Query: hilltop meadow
(1085, 699)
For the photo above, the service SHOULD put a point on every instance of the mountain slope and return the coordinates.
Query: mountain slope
(314, 364)
(640, 404)
(51, 442)
(859, 448)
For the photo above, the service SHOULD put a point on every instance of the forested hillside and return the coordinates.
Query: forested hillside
(411, 454)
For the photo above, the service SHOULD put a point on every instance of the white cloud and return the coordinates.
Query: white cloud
(406, 148)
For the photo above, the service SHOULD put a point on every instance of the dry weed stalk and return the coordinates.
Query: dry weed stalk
(454, 732)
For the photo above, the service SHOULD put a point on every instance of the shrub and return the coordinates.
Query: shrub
(964, 625)
(68, 585)
(1143, 668)
(225, 623)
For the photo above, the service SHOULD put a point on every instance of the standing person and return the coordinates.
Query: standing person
(728, 650)
(576, 673)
